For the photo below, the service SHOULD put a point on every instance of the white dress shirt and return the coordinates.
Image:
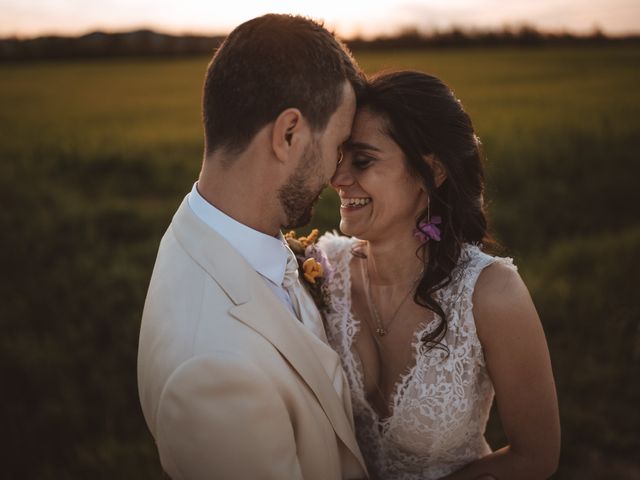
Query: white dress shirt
(266, 254)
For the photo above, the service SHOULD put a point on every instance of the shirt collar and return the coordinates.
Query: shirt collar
(266, 254)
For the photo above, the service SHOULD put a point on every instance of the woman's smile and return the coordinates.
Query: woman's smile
(352, 204)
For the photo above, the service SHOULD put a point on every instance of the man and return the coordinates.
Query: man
(236, 379)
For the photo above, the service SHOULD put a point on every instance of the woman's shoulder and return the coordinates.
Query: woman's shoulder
(488, 292)
(473, 257)
(497, 282)
(500, 293)
(507, 323)
(473, 261)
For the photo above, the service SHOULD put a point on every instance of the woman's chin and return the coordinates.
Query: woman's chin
(346, 228)
(352, 230)
(354, 219)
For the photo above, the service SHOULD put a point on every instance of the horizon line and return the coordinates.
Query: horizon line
(507, 27)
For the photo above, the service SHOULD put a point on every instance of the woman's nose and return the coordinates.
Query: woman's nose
(343, 176)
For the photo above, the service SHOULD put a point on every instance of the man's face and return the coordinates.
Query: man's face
(318, 164)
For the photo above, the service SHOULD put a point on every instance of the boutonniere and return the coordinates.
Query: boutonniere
(313, 266)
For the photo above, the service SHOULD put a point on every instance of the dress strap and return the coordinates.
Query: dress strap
(457, 297)
(471, 264)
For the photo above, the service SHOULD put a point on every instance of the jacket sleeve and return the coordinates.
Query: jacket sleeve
(220, 418)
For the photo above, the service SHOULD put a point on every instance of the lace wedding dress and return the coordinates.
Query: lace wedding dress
(441, 405)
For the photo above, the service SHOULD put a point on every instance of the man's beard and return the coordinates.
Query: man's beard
(296, 197)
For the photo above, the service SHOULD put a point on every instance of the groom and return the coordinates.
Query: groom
(235, 377)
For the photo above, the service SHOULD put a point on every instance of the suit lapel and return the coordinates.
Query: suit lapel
(257, 307)
(274, 322)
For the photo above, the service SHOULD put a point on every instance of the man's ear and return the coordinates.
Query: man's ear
(439, 173)
(287, 134)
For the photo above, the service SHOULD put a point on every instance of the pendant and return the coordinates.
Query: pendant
(381, 331)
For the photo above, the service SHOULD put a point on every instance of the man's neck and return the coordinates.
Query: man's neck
(241, 196)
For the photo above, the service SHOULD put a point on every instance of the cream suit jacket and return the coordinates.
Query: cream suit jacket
(232, 385)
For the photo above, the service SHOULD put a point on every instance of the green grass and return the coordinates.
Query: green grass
(96, 155)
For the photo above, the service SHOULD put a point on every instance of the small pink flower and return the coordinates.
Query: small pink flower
(428, 230)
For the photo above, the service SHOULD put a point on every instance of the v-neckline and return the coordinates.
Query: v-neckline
(401, 384)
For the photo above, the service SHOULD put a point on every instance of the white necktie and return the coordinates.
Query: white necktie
(310, 317)
(302, 303)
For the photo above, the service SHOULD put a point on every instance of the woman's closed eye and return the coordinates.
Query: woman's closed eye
(362, 161)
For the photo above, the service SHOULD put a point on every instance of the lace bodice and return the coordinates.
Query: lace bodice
(441, 405)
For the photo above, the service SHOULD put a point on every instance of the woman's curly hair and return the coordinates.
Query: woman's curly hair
(423, 116)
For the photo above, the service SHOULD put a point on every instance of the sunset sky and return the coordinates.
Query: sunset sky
(26, 18)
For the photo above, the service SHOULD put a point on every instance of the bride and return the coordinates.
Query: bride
(428, 325)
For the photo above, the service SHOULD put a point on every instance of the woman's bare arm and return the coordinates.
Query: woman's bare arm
(517, 359)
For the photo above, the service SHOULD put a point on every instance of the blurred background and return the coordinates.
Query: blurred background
(100, 139)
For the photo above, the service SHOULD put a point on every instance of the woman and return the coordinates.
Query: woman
(427, 325)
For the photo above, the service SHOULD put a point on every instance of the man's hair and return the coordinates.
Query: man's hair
(267, 65)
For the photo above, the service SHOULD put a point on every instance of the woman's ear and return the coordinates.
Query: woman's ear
(439, 173)
(287, 133)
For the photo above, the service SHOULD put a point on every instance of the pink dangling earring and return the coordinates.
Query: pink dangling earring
(427, 229)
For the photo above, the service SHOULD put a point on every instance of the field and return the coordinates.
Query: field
(96, 155)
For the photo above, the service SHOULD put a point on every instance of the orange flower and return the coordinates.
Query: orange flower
(298, 245)
(294, 244)
(309, 239)
(312, 270)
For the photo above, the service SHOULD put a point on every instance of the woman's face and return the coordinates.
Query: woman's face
(378, 194)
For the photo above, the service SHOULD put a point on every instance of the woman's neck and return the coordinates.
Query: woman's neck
(393, 261)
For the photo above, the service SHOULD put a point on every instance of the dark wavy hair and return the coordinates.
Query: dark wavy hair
(423, 116)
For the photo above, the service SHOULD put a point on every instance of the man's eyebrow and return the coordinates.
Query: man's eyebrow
(361, 146)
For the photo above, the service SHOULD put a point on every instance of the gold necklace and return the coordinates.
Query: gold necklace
(381, 330)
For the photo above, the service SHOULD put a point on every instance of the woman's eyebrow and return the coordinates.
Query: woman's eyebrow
(361, 146)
